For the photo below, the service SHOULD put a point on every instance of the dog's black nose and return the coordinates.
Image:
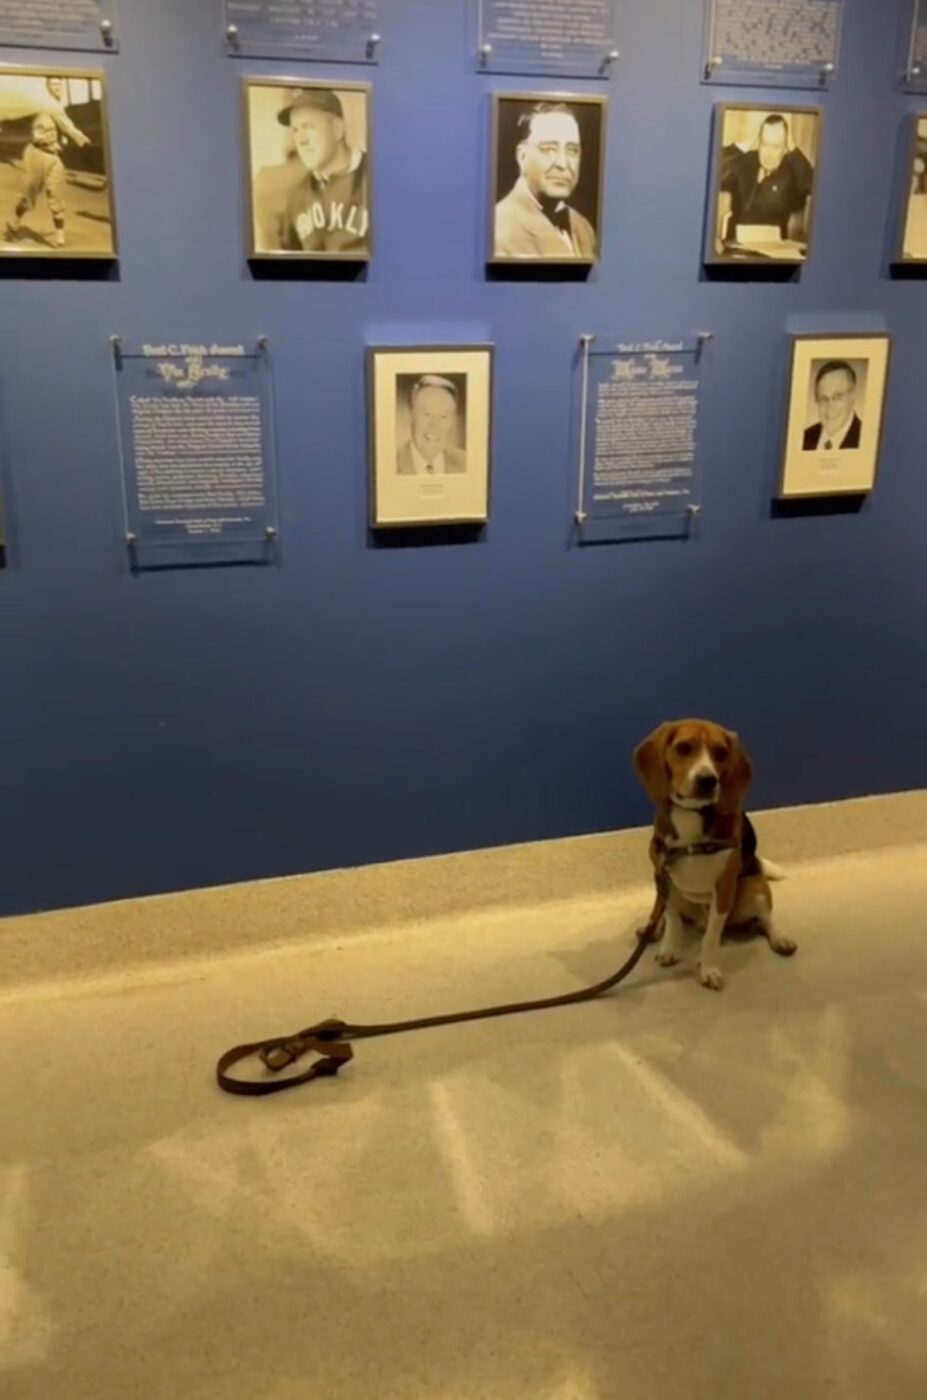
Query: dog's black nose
(705, 784)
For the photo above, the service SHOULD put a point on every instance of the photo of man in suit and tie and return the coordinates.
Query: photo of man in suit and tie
(836, 393)
(431, 425)
(548, 163)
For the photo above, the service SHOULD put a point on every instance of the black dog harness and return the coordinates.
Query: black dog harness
(667, 855)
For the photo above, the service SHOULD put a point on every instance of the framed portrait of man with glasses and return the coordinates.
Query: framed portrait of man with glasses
(836, 410)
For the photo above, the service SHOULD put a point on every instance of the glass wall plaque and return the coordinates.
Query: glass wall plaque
(777, 43)
(638, 439)
(563, 38)
(198, 455)
(337, 31)
(89, 25)
(915, 59)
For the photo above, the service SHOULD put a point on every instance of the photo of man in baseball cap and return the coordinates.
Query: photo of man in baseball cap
(316, 201)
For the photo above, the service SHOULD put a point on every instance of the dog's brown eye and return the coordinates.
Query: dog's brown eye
(684, 749)
(719, 753)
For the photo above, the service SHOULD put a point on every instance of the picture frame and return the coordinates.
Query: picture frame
(430, 434)
(56, 180)
(547, 178)
(296, 130)
(835, 414)
(912, 220)
(762, 184)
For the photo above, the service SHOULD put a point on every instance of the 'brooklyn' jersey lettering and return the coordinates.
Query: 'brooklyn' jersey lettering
(333, 217)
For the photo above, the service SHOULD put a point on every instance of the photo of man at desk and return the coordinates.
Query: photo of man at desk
(766, 172)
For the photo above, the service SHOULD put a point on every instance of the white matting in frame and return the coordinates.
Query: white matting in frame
(836, 412)
(430, 434)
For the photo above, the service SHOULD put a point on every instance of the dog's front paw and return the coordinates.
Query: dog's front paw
(711, 977)
(785, 947)
(666, 957)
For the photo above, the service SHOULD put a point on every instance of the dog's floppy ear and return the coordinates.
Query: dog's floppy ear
(650, 763)
(738, 777)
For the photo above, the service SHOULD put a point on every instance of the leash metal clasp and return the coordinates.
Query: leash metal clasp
(278, 1057)
(332, 1053)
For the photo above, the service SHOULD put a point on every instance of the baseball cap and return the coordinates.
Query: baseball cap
(434, 381)
(321, 99)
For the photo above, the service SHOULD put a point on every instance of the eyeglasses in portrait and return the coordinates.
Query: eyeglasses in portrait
(836, 411)
(308, 169)
(55, 176)
(548, 163)
(761, 198)
(914, 212)
(430, 424)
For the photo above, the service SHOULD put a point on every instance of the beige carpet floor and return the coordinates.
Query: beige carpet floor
(670, 1195)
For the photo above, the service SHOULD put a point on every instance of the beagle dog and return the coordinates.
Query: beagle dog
(703, 848)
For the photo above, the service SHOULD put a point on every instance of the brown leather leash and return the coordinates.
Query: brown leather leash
(330, 1040)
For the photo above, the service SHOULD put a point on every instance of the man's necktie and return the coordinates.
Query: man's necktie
(828, 445)
(559, 215)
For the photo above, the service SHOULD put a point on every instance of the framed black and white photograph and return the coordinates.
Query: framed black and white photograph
(430, 434)
(762, 185)
(914, 191)
(56, 188)
(548, 176)
(836, 411)
(308, 169)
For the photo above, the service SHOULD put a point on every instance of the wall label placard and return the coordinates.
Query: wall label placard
(780, 43)
(337, 31)
(548, 37)
(639, 439)
(915, 59)
(197, 446)
(88, 25)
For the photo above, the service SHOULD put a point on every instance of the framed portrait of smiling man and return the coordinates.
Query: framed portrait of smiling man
(430, 435)
(308, 169)
(836, 411)
(548, 163)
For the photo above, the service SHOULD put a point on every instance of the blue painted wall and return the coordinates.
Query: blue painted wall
(359, 704)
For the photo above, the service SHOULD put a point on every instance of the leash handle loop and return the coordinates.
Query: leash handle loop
(330, 1039)
(277, 1055)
